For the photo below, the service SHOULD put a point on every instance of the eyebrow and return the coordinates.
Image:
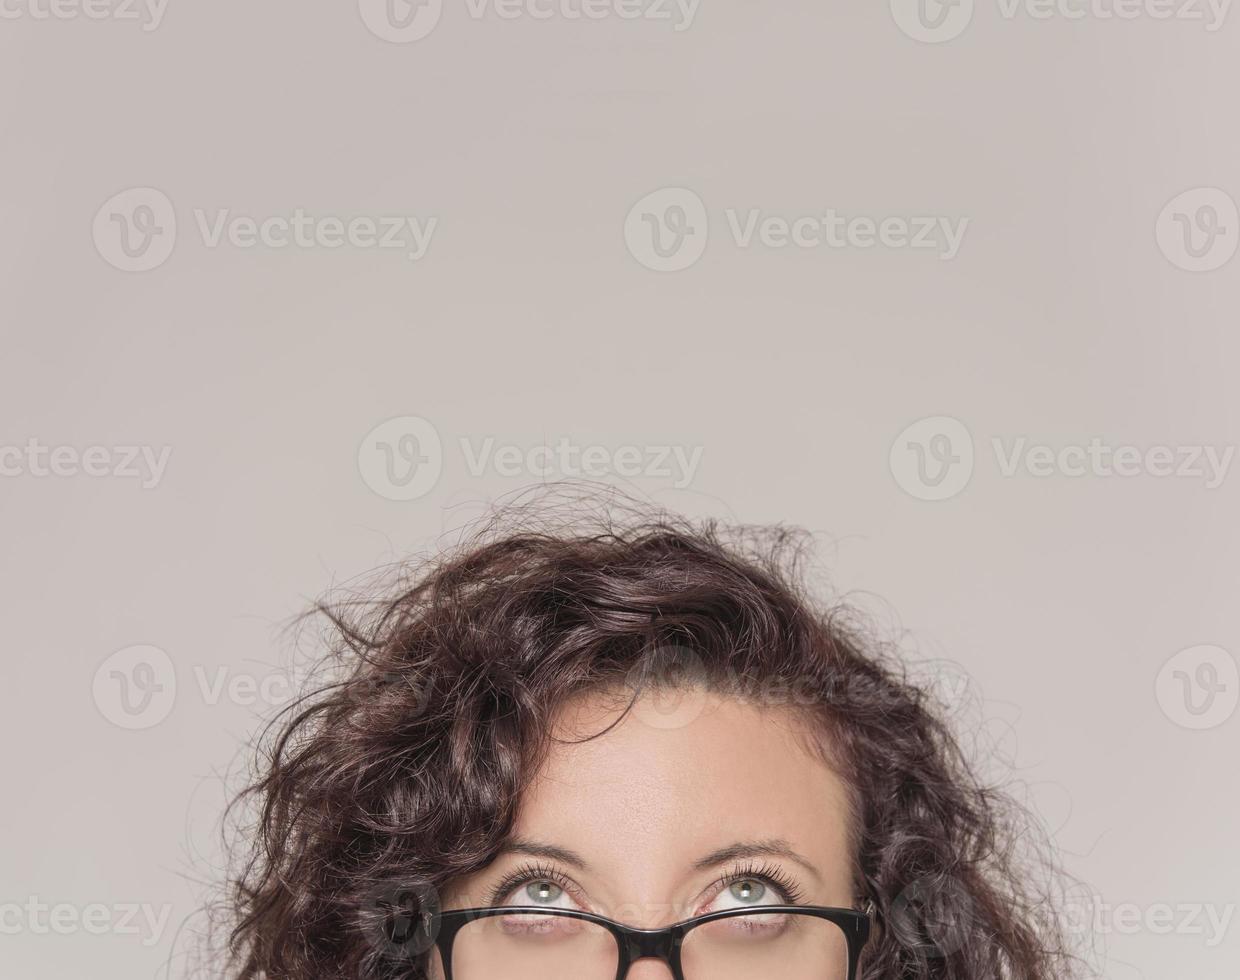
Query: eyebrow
(521, 845)
(739, 851)
(752, 849)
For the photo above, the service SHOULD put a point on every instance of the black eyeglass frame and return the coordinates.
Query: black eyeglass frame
(660, 944)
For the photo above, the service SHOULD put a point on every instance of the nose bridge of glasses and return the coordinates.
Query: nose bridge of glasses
(649, 943)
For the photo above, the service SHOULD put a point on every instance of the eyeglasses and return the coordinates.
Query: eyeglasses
(789, 942)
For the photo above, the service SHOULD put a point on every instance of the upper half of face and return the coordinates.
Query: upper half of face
(672, 814)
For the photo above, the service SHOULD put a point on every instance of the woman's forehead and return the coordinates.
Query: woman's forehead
(681, 786)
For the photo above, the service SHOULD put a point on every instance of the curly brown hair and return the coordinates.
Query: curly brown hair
(409, 766)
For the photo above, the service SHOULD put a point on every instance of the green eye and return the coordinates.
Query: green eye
(748, 890)
(543, 891)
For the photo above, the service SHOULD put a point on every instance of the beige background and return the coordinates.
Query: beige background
(1070, 313)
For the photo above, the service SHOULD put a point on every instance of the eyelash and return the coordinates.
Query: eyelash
(527, 874)
(768, 874)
